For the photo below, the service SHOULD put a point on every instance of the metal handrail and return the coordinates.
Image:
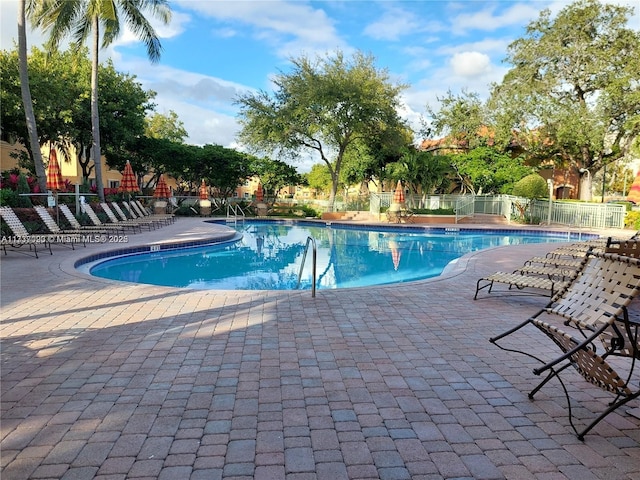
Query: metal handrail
(313, 266)
(234, 209)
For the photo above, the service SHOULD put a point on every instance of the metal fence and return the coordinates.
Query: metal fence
(587, 215)
(575, 214)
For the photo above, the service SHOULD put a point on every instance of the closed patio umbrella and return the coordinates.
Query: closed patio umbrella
(204, 193)
(634, 191)
(162, 189)
(398, 195)
(129, 183)
(397, 205)
(54, 178)
(259, 194)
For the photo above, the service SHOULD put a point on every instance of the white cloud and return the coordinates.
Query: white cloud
(288, 27)
(487, 45)
(225, 32)
(470, 64)
(203, 103)
(393, 24)
(488, 20)
(175, 27)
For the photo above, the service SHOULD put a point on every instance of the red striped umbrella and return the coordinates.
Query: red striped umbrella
(54, 176)
(398, 195)
(259, 194)
(129, 182)
(162, 190)
(204, 192)
(634, 192)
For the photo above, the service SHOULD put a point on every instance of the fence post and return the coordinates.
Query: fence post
(550, 184)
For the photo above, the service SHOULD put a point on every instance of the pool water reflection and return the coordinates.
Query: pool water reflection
(269, 255)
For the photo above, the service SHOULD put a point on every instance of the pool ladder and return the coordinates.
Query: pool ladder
(312, 241)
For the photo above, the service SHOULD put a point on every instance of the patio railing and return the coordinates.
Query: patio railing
(464, 207)
(574, 214)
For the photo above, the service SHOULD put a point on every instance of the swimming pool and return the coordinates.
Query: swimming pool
(269, 254)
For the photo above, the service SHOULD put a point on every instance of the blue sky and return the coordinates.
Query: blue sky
(216, 50)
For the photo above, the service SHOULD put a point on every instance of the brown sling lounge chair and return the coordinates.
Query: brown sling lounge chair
(589, 323)
(532, 279)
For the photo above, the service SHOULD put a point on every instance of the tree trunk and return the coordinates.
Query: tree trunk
(30, 117)
(585, 187)
(334, 190)
(95, 118)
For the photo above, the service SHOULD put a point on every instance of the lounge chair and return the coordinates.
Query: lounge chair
(86, 208)
(123, 217)
(136, 216)
(541, 285)
(549, 271)
(76, 225)
(589, 322)
(21, 237)
(628, 248)
(555, 262)
(400, 216)
(532, 280)
(63, 236)
(124, 223)
(143, 212)
(578, 249)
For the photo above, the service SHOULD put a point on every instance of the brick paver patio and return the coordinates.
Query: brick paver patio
(111, 381)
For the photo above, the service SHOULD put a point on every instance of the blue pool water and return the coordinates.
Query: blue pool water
(269, 255)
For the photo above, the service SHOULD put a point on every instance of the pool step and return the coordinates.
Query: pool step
(484, 218)
(356, 216)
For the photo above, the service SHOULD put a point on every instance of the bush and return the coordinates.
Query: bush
(8, 198)
(309, 212)
(293, 211)
(434, 211)
(632, 220)
(23, 187)
(531, 186)
(188, 210)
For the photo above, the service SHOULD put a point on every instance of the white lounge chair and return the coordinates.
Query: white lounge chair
(21, 236)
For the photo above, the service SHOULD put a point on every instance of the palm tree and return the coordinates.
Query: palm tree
(34, 141)
(82, 18)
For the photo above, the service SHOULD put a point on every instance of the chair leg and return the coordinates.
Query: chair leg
(611, 408)
(478, 287)
(552, 373)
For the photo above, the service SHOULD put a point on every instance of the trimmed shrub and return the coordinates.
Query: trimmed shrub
(531, 186)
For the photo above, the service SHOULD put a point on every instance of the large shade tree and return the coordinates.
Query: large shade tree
(167, 126)
(54, 89)
(222, 168)
(321, 107)
(573, 91)
(93, 19)
(61, 90)
(463, 119)
(275, 175)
